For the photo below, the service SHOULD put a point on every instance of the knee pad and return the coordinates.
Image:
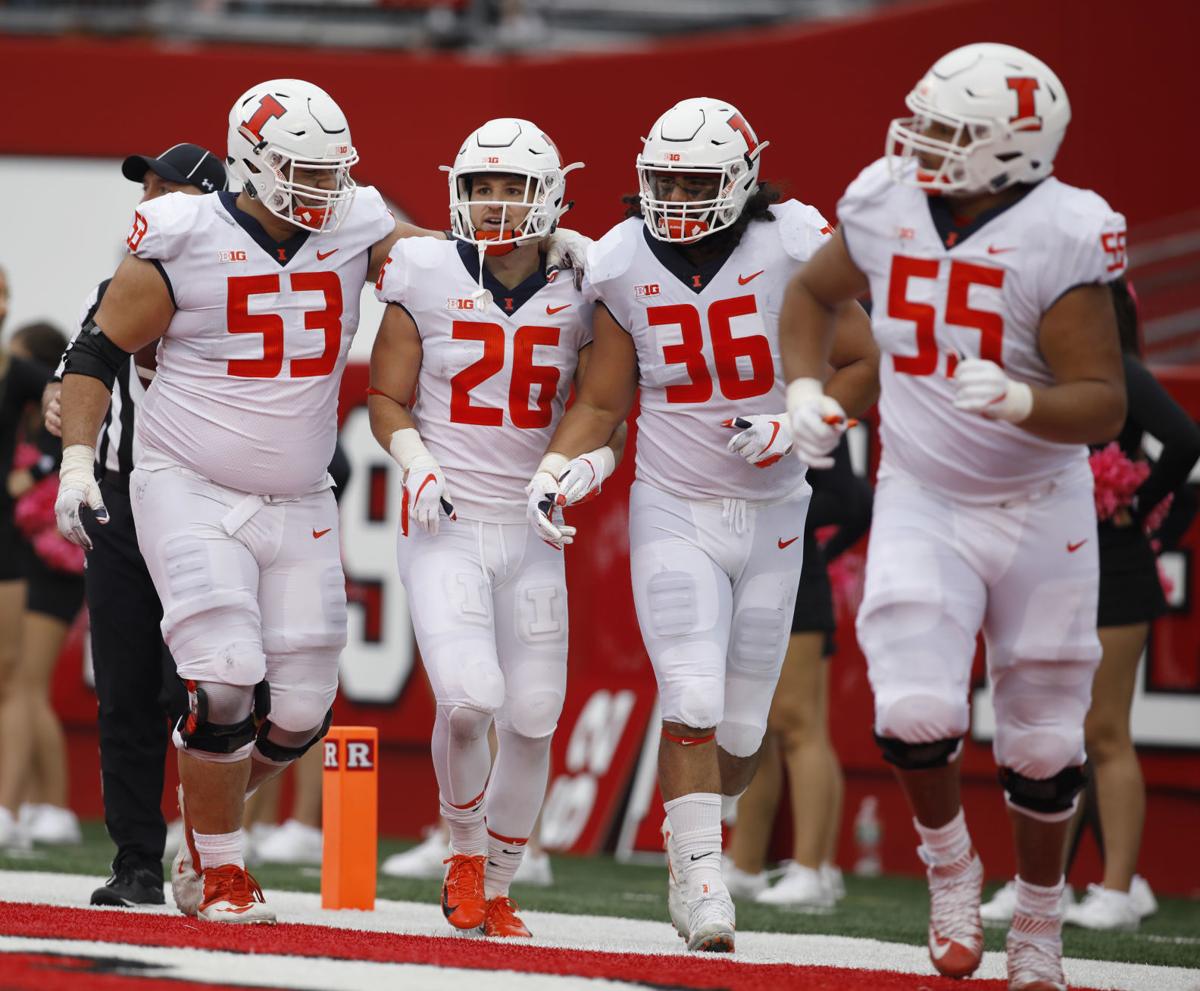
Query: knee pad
(465, 723)
(919, 756)
(739, 739)
(691, 685)
(219, 725)
(920, 717)
(1040, 710)
(279, 746)
(533, 715)
(1050, 799)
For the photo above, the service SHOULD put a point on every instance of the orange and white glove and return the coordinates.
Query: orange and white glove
(546, 496)
(763, 438)
(817, 420)
(980, 386)
(567, 249)
(584, 476)
(425, 495)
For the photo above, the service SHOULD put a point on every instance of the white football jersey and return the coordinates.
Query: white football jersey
(248, 372)
(707, 344)
(494, 377)
(981, 296)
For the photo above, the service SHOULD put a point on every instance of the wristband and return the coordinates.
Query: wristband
(405, 447)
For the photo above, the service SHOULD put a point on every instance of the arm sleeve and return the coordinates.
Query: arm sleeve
(1153, 409)
(90, 306)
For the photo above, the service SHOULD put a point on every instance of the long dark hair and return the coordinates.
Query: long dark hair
(757, 208)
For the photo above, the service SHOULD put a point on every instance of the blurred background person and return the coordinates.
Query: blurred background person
(33, 765)
(1133, 497)
(136, 684)
(797, 728)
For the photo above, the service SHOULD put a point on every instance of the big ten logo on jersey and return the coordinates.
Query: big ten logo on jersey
(231, 256)
(572, 795)
(460, 303)
(649, 289)
(378, 658)
(913, 304)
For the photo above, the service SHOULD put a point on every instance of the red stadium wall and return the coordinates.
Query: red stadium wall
(822, 95)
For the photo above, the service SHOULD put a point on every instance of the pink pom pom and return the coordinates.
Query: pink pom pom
(58, 553)
(1117, 479)
(34, 511)
(1154, 519)
(25, 456)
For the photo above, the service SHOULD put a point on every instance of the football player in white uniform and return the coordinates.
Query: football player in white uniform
(1001, 363)
(255, 299)
(469, 376)
(690, 291)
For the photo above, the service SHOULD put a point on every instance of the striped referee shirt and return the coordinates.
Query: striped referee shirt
(114, 446)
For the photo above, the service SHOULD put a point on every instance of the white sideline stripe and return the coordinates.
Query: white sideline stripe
(301, 973)
(619, 935)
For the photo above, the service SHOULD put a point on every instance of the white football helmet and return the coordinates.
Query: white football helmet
(1003, 114)
(509, 146)
(701, 136)
(283, 125)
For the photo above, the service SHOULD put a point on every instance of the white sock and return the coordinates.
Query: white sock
(1035, 899)
(947, 843)
(729, 804)
(218, 849)
(503, 858)
(696, 824)
(467, 832)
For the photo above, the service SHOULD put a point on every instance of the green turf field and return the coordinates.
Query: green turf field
(887, 908)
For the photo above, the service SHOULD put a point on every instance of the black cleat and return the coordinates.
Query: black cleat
(131, 886)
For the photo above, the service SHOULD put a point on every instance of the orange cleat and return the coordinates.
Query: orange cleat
(502, 919)
(232, 895)
(463, 901)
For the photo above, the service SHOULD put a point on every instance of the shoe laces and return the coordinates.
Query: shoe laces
(231, 883)
(502, 909)
(1032, 955)
(465, 877)
(954, 899)
(714, 903)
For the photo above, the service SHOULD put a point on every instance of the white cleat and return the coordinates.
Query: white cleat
(292, 843)
(1104, 909)
(711, 921)
(425, 860)
(742, 884)
(13, 837)
(800, 887)
(534, 870)
(835, 884)
(677, 904)
(1034, 948)
(231, 895)
(955, 928)
(1000, 908)
(53, 825)
(186, 884)
(1143, 898)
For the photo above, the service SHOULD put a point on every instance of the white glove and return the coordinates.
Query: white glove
(567, 249)
(980, 386)
(762, 440)
(425, 495)
(586, 474)
(545, 497)
(77, 487)
(818, 422)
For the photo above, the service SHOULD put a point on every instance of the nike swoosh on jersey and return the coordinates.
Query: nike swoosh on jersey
(993, 250)
(784, 544)
(743, 279)
(318, 534)
(1072, 548)
(322, 255)
(551, 310)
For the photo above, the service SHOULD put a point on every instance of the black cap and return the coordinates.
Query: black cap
(184, 163)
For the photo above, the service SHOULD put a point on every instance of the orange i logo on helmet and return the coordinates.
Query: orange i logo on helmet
(268, 108)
